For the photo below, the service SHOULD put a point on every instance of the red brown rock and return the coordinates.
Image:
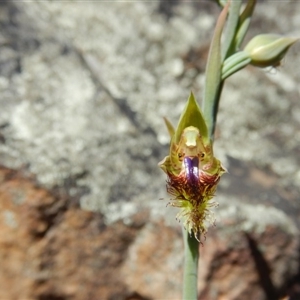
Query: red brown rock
(50, 252)
(50, 249)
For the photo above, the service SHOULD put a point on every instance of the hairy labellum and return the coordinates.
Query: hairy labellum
(192, 191)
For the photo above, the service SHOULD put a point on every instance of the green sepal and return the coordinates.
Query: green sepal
(170, 127)
(192, 116)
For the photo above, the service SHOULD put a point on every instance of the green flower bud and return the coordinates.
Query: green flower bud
(268, 49)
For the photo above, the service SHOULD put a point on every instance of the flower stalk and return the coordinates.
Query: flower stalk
(190, 272)
(192, 170)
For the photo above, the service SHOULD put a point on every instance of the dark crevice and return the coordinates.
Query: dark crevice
(292, 288)
(93, 66)
(52, 297)
(263, 270)
(136, 296)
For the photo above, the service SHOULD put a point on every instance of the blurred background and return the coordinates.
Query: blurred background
(83, 90)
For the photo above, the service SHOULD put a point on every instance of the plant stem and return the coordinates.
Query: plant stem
(190, 276)
(213, 80)
(212, 93)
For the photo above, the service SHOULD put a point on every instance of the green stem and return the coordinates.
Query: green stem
(228, 47)
(190, 276)
(213, 80)
(211, 111)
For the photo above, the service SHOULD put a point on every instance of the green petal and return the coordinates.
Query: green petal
(170, 127)
(166, 165)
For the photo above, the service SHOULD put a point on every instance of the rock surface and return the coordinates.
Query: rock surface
(83, 89)
(51, 249)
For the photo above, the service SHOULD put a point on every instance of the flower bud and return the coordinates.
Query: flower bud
(268, 49)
